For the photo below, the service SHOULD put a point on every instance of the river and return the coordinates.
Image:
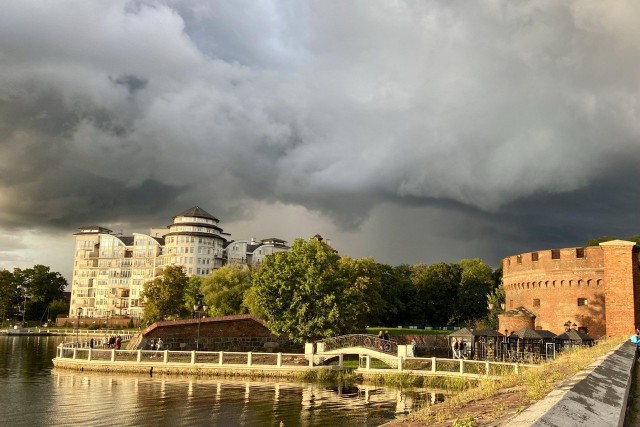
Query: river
(35, 394)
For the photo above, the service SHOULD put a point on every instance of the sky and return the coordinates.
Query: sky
(409, 131)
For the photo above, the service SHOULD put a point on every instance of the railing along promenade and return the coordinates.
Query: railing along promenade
(64, 331)
(70, 355)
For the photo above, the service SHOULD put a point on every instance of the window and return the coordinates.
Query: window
(582, 302)
(579, 252)
(534, 256)
(555, 254)
(519, 259)
(536, 302)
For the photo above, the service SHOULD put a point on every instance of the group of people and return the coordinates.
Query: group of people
(155, 345)
(383, 336)
(458, 347)
(114, 341)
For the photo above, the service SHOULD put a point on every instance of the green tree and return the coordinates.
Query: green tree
(436, 289)
(192, 292)
(41, 286)
(164, 296)
(476, 283)
(364, 276)
(598, 240)
(495, 300)
(57, 307)
(225, 288)
(9, 295)
(398, 296)
(303, 293)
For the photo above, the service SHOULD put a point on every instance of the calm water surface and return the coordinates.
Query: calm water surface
(32, 393)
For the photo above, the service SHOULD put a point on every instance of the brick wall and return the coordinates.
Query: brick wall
(600, 291)
(514, 323)
(621, 297)
(229, 333)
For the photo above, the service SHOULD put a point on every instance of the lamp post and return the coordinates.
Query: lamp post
(199, 308)
(78, 323)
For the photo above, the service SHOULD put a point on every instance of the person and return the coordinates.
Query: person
(158, 346)
(635, 338)
(380, 334)
(91, 343)
(385, 336)
(454, 348)
(104, 342)
(152, 345)
(118, 342)
(414, 347)
(461, 348)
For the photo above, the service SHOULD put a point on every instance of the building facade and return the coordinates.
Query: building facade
(595, 288)
(253, 252)
(110, 270)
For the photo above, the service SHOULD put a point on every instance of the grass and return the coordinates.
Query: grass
(406, 331)
(404, 380)
(539, 382)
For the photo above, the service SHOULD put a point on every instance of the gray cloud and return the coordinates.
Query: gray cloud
(502, 112)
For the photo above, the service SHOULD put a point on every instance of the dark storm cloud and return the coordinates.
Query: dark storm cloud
(510, 113)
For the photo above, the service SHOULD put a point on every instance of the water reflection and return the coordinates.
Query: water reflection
(33, 394)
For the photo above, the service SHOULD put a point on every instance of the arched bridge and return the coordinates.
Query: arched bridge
(360, 344)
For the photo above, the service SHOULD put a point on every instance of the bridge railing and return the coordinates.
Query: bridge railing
(360, 340)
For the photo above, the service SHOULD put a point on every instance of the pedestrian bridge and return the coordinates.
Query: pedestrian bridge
(360, 344)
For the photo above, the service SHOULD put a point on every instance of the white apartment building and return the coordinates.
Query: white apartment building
(253, 252)
(110, 270)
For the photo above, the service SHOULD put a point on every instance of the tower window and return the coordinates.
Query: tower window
(579, 252)
(534, 256)
(536, 302)
(582, 302)
(555, 254)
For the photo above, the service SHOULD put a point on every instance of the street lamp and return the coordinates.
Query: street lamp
(199, 308)
(78, 323)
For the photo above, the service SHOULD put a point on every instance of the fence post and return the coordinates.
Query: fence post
(249, 358)
(166, 356)
(75, 352)
(279, 360)
(400, 359)
(487, 368)
(368, 362)
(516, 368)
(113, 355)
(193, 357)
(340, 360)
(311, 360)
(139, 356)
(220, 358)
(433, 364)
(462, 366)
(89, 355)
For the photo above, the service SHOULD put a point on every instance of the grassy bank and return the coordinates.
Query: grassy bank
(533, 385)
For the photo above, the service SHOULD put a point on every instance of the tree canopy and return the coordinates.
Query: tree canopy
(225, 288)
(305, 294)
(164, 296)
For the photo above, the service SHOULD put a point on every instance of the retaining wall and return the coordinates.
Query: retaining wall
(596, 396)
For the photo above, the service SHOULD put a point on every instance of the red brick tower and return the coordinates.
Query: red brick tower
(622, 287)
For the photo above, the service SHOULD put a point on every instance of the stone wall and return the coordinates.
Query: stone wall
(228, 333)
(270, 344)
(599, 291)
